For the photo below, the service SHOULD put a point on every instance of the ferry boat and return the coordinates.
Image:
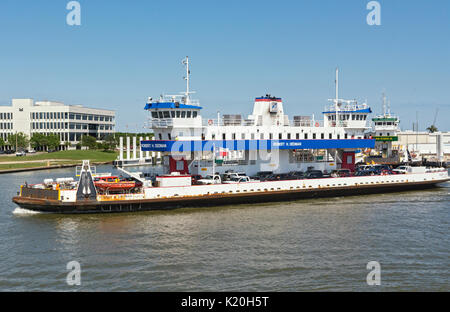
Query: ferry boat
(306, 155)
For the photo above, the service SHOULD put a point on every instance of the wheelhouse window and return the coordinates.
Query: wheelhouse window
(188, 114)
(166, 114)
(154, 115)
(194, 114)
(183, 114)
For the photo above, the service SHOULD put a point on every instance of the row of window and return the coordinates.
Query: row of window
(347, 117)
(389, 123)
(6, 115)
(288, 136)
(6, 125)
(175, 114)
(72, 116)
(68, 125)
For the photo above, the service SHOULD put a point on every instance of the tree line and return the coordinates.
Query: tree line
(39, 141)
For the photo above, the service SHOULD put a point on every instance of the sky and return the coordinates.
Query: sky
(126, 51)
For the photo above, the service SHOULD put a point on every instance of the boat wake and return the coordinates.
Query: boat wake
(24, 212)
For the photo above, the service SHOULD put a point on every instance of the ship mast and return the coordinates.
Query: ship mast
(188, 72)
(336, 101)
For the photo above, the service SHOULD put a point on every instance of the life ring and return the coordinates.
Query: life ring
(317, 124)
(210, 122)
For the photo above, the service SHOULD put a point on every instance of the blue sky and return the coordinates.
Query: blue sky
(125, 51)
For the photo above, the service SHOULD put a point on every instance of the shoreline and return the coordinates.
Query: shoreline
(49, 167)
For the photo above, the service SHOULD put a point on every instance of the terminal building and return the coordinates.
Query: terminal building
(69, 122)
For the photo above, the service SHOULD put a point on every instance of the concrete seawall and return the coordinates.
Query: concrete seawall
(48, 167)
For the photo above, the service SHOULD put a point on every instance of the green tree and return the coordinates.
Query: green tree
(432, 129)
(38, 140)
(2, 142)
(19, 139)
(89, 141)
(109, 143)
(53, 141)
(67, 144)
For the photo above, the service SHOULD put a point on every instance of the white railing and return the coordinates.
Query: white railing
(346, 107)
(160, 122)
(252, 123)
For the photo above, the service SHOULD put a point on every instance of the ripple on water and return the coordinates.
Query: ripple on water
(322, 244)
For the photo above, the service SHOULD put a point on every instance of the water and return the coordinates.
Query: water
(322, 244)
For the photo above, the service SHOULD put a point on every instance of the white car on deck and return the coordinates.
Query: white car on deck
(209, 179)
(239, 179)
(401, 169)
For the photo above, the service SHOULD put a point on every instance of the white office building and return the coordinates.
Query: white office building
(69, 122)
